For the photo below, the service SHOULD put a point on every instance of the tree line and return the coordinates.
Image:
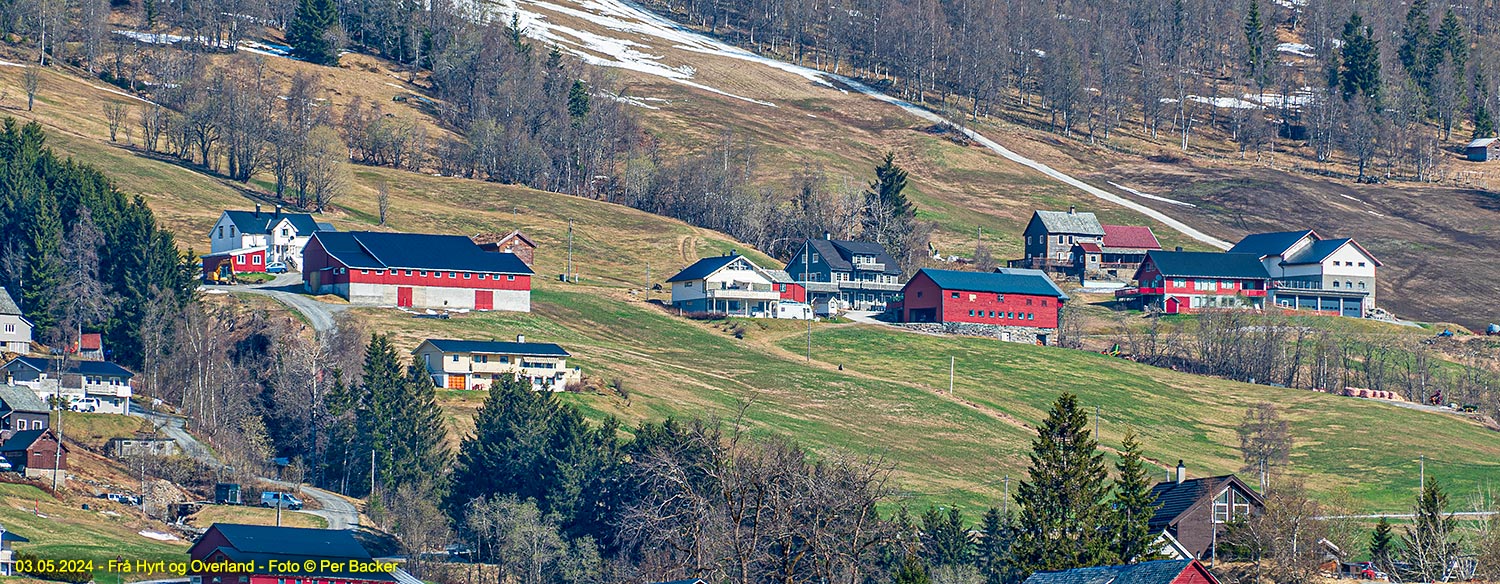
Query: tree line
(77, 254)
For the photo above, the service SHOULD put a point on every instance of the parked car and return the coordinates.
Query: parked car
(1367, 571)
(87, 404)
(5, 465)
(276, 268)
(283, 500)
(121, 498)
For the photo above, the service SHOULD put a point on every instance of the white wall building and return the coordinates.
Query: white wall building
(282, 235)
(15, 330)
(477, 365)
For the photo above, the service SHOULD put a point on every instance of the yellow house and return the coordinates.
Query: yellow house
(455, 364)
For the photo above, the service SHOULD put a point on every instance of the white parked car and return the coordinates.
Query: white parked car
(87, 404)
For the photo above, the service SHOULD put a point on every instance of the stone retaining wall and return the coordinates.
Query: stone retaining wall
(1015, 334)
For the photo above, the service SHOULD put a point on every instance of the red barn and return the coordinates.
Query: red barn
(230, 553)
(1155, 572)
(1014, 298)
(415, 270)
(1178, 282)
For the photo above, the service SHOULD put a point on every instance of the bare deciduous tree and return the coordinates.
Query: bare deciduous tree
(115, 114)
(1265, 441)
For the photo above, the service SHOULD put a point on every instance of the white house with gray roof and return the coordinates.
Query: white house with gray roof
(15, 330)
(281, 234)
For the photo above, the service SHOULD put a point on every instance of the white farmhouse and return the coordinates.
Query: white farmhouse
(734, 285)
(281, 235)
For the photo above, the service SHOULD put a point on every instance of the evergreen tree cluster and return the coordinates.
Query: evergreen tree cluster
(314, 31)
(78, 254)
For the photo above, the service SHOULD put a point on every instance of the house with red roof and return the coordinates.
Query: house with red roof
(1119, 253)
(415, 270)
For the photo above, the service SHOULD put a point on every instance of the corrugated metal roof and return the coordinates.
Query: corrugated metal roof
(499, 348)
(1074, 223)
(1133, 236)
(994, 282)
(1481, 142)
(705, 267)
(422, 251)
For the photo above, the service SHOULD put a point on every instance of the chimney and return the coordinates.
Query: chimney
(1072, 209)
(1181, 471)
(827, 236)
(257, 209)
(1179, 248)
(520, 338)
(278, 210)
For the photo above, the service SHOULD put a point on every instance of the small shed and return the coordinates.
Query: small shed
(227, 494)
(1482, 149)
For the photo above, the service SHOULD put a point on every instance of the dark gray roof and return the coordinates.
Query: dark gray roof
(703, 268)
(499, 348)
(1157, 572)
(8, 304)
(374, 250)
(1270, 244)
(1316, 253)
(75, 366)
(779, 276)
(998, 283)
(839, 254)
(1074, 222)
(21, 440)
(260, 222)
(15, 398)
(1176, 498)
(291, 541)
(1032, 272)
(1205, 264)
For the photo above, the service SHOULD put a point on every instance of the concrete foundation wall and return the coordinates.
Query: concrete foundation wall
(1014, 334)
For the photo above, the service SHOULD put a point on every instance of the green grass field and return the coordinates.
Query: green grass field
(62, 531)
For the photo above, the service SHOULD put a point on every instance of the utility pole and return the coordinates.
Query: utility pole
(951, 361)
(57, 454)
(1422, 470)
(1005, 503)
(570, 274)
(1096, 423)
(807, 295)
(372, 472)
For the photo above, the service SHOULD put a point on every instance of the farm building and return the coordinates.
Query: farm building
(234, 261)
(514, 242)
(1021, 305)
(283, 555)
(1152, 572)
(1482, 150)
(280, 237)
(415, 270)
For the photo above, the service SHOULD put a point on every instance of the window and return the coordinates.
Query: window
(10, 328)
(1179, 282)
(1361, 264)
(285, 232)
(452, 275)
(1010, 315)
(255, 260)
(1230, 505)
(1028, 302)
(992, 314)
(971, 312)
(1348, 284)
(1044, 302)
(505, 359)
(1361, 285)
(467, 275)
(239, 259)
(999, 298)
(1030, 316)
(481, 359)
(1060, 239)
(423, 273)
(1335, 283)
(231, 231)
(408, 272)
(364, 271)
(484, 276)
(510, 277)
(221, 232)
(919, 293)
(815, 257)
(455, 358)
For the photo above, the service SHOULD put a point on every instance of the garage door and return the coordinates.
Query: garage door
(403, 296)
(457, 382)
(484, 299)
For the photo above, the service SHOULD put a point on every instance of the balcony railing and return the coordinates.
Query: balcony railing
(870, 266)
(743, 294)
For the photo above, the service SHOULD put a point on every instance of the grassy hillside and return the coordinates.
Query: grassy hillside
(871, 390)
(63, 530)
(890, 399)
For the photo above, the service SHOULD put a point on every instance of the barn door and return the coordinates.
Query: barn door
(484, 299)
(403, 296)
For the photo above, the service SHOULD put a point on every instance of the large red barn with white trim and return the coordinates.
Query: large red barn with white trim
(415, 270)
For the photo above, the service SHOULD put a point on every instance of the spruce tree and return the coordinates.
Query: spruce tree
(992, 551)
(889, 217)
(946, 538)
(1257, 61)
(1381, 543)
(1416, 41)
(1450, 44)
(43, 271)
(578, 100)
(911, 572)
(312, 29)
(379, 403)
(1359, 61)
(1063, 517)
(1484, 122)
(1133, 505)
